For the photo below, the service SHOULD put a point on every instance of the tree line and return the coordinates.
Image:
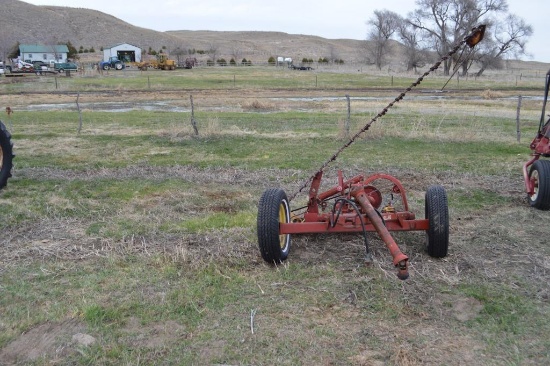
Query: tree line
(433, 28)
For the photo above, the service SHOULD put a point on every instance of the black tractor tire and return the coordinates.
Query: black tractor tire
(118, 66)
(106, 67)
(273, 209)
(437, 212)
(540, 175)
(60, 70)
(6, 155)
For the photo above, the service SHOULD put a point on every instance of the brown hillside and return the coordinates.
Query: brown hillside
(26, 23)
(31, 24)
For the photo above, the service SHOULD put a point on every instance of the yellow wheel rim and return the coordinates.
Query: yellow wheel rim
(283, 218)
(535, 180)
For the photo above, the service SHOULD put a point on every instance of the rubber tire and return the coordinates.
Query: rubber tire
(6, 155)
(273, 209)
(437, 212)
(541, 198)
(60, 71)
(118, 66)
(106, 67)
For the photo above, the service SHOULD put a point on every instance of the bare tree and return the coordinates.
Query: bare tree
(213, 52)
(382, 26)
(415, 55)
(508, 38)
(179, 53)
(6, 46)
(444, 22)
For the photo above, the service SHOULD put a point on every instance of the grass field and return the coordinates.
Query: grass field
(134, 240)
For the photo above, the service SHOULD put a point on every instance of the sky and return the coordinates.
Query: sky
(325, 18)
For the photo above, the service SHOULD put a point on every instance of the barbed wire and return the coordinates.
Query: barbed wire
(471, 40)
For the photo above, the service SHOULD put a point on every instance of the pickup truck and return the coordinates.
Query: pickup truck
(64, 66)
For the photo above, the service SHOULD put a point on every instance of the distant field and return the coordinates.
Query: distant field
(134, 240)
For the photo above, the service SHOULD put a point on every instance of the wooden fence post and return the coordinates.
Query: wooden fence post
(346, 126)
(518, 130)
(79, 113)
(193, 121)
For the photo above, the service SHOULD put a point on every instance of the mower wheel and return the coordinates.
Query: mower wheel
(437, 212)
(540, 176)
(6, 155)
(273, 209)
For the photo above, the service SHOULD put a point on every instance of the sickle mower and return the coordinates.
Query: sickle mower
(6, 155)
(353, 206)
(357, 205)
(537, 178)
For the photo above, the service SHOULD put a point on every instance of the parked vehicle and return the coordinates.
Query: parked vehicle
(65, 66)
(113, 63)
(38, 65)
(162, 62)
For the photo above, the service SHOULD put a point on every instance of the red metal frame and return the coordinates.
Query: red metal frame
(359, 191)
(540, 144)
(541, 147)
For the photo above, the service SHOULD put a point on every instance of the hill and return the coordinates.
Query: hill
(32, 24)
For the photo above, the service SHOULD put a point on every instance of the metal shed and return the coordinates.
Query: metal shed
(124, 51)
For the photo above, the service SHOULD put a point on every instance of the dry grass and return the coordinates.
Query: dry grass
(258, 105)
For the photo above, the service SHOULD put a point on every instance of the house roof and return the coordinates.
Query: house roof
(36, 48)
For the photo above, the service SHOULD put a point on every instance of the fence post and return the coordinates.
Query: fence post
(346, 126)
(79, 113)
(193, 121)
(518, 130)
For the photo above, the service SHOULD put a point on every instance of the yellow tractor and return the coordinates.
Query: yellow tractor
(162, 62)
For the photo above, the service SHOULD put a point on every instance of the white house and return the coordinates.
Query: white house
(47, 54)
(124, 51)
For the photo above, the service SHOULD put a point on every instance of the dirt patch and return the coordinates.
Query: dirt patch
(155, 335)
(50, 340)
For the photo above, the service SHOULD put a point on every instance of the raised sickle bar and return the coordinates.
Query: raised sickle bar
(400, 260)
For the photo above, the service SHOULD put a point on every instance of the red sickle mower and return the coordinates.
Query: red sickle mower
(537, 178)
(356, 205)
(352, 206)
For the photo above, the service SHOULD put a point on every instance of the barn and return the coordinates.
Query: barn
(124, 51)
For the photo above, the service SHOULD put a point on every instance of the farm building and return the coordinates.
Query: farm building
(124, 51)
(33, 52)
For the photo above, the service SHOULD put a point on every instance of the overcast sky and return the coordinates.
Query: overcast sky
(325, 18)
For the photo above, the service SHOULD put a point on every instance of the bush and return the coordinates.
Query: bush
(246, 62)
(209, 63)
(221, 62)
(232, 62)
(271, 60)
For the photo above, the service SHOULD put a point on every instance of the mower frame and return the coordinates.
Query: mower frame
(536, 173)
(358, 208)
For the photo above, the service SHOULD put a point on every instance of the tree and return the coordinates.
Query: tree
(445, 22)
(73, 53)
(508, 38)
(382, 27)
(415, 55)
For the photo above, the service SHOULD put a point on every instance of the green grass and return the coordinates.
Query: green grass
(145, 235)
(219, 78)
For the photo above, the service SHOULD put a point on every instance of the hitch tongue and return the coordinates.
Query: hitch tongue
(400, 260)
